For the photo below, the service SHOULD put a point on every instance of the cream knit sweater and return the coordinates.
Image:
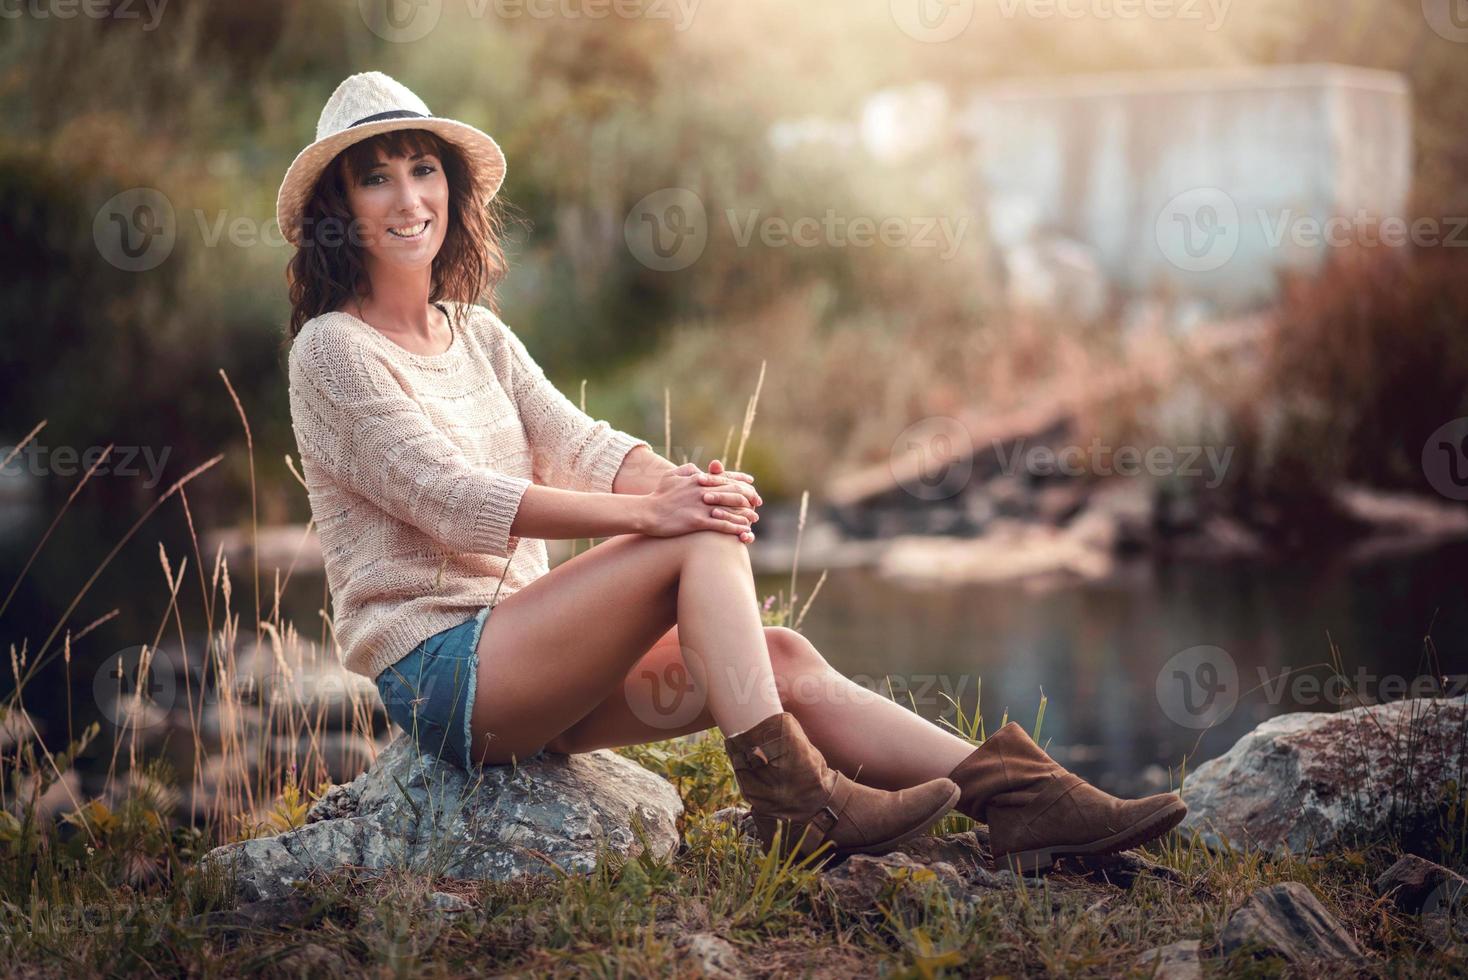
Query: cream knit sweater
(415, 465)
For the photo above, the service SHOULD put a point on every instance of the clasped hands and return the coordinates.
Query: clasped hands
(688, 499)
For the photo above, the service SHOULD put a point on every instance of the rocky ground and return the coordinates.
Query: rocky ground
(1321, 841)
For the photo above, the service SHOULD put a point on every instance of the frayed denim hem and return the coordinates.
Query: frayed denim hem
(473, 687)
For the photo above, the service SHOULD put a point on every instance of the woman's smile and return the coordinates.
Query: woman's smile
(412, 232)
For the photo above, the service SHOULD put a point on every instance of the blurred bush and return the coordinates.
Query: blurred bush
(1370, 358)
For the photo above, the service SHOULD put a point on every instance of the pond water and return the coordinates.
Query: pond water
(1219, 636)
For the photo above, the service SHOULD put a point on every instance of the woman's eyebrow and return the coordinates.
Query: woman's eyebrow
(382, 163)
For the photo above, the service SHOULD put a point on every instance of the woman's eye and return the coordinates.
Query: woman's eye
(423, 169)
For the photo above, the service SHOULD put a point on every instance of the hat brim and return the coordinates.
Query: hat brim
(486, 163)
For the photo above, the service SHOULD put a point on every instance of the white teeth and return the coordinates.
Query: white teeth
(411, 231)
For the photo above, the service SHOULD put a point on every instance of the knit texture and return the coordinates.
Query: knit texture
(415, 465)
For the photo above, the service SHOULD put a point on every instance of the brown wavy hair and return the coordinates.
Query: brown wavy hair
(327, 268)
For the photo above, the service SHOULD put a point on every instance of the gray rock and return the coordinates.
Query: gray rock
(1412, 880)
(709, 956)
(1445, 917)
(1288, 920)
(1315, 780)
(413, 812)
(1175, 961)
(862, 881)
(449, 904)
(967, 851)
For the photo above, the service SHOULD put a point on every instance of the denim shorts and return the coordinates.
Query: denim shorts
(430, 692)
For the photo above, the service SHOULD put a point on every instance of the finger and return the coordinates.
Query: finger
(747, 537)
(728, 527)
(723, 474)
(747, 513)
(715, 466)
(750, 496)
(726, 499)
(717, 484)
(729, 515)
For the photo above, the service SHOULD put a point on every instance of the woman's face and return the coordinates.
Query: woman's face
(400, 209)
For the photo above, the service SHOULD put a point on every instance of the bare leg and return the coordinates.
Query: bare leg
(871, 738)
(550, 653)
(864, 734)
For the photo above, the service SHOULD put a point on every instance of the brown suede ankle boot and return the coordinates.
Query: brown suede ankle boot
(788, 785)
(1038, 811)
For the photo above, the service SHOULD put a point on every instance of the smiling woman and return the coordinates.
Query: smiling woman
(437, 460)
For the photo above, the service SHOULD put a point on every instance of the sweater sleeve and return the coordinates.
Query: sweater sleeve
(353, 418)
(571, 450)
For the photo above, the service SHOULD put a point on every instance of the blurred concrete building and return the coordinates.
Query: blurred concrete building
(1201, 184)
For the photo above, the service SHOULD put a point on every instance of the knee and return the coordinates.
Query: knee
(715, 542)
(791, 654)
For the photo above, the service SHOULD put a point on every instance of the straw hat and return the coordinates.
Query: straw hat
(364, 105)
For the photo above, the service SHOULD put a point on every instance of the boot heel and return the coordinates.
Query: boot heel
(1026, 862)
